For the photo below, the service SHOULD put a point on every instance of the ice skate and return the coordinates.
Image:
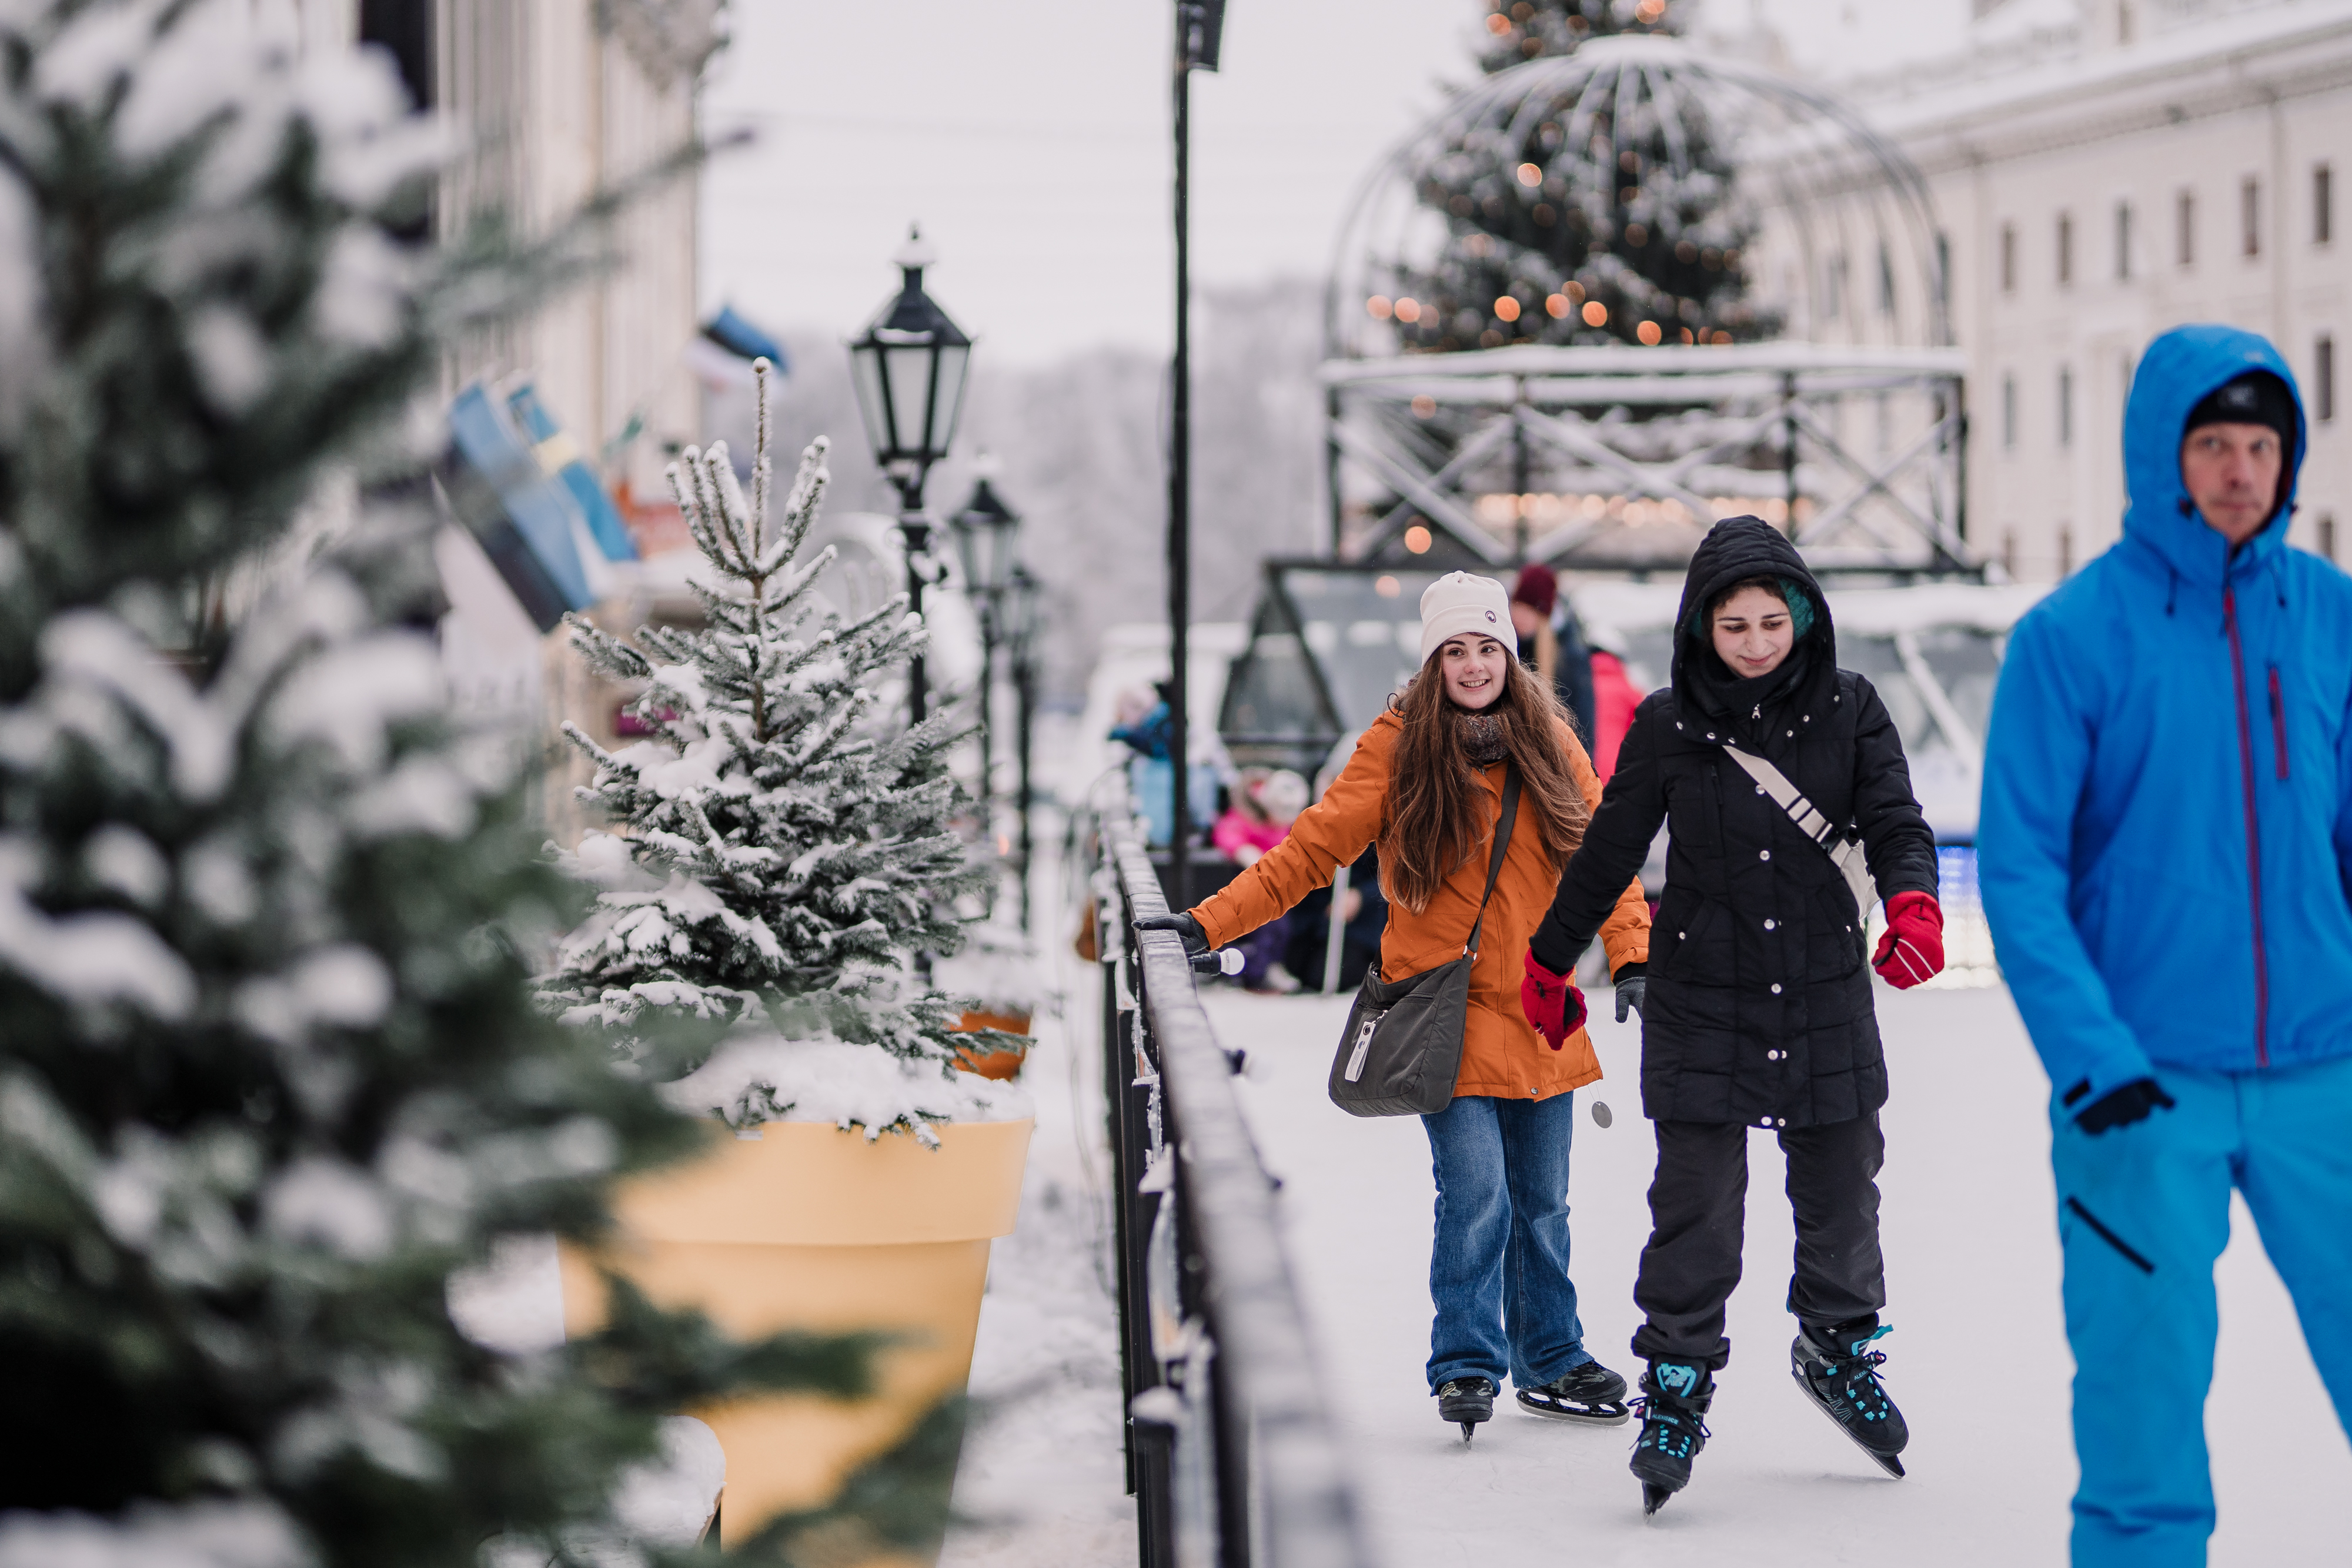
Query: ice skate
(1591, 1393)
(1843, 1379)
(1467, 1400)
(1678, 1396)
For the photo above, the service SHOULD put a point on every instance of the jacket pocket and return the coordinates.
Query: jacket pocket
(2130, 1254)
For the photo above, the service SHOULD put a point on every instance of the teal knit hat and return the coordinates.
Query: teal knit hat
(1792, 594)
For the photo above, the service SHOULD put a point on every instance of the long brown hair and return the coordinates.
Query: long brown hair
(1436, 805)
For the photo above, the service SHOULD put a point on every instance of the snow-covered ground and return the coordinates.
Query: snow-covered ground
(1042, 1483)
(1978, 1361)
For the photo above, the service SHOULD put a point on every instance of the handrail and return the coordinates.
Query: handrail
(1232, 1453)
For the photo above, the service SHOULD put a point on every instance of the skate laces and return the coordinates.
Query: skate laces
(1855, 1376)
(1660, 1425)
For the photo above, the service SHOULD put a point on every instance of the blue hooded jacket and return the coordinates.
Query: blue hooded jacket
(2165, 844)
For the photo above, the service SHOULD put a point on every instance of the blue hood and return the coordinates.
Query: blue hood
(2180, 369)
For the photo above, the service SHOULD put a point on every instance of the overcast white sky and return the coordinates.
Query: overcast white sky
(1030, 137)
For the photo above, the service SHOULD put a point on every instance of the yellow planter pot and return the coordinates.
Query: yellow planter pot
(810, 1227)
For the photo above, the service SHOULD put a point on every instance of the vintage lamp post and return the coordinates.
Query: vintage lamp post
(984, 532)
(908, 370)
(1021, 607)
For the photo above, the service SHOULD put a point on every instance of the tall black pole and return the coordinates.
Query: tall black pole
(1025, 676)
(1179, 475)
(987, 761)
(916, 530)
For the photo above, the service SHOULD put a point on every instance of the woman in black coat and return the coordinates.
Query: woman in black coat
(1757, 1006)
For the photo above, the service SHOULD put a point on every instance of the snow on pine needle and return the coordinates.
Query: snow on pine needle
(781, 843)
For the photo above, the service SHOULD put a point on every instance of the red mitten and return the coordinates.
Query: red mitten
(1912, 948)
(1551, 1002)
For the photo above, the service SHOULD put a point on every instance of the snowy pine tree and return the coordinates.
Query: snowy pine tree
(272, 1071)
(784, 847)
(1609, 218)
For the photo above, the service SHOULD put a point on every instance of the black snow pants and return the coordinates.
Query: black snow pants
(1698, 1204)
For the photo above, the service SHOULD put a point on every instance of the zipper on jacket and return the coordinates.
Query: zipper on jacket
(2254, 821)
(2278, 723)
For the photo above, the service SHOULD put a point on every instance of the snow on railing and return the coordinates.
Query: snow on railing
(1232, 1455)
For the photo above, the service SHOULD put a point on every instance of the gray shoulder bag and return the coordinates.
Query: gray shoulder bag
(1403, 1047)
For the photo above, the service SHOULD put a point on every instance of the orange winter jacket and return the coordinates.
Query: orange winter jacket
(1502, 1055)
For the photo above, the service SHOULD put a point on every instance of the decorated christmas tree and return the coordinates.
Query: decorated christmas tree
(272, 1071)
(785, 848)
(1603, 213)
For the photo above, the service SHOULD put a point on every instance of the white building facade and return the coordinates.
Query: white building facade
(2103, 170)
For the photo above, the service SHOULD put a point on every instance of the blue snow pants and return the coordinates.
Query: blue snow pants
(2143, 1213)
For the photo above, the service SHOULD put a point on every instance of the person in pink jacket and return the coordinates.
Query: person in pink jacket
(1264, 805)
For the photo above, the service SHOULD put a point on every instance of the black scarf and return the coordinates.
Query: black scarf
(1484, 737)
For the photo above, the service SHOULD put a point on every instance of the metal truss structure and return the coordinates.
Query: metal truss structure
(1619, 459)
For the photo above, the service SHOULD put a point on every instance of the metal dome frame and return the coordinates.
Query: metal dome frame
(1755, 426)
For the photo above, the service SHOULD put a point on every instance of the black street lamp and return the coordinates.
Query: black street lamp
(985, 534)
(909, 371)
(1021, 607)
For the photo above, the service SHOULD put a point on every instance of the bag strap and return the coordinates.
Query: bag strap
(1844, 855)
(1502, 847)
(1789, 797)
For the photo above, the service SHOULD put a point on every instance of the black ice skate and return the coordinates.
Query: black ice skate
(1672, 1431)
(1839, 1371)
(1591, 1393)
(1468, 1400)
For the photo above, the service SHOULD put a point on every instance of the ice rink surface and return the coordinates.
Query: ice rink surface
(1978, 1359)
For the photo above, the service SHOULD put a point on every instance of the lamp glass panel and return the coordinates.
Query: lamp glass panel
(909, 368)
(954, 360)
(969, 549)
(996, 552)
(866, 371)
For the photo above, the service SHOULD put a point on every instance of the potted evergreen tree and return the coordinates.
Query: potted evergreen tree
(782, 853)
(272, 1071)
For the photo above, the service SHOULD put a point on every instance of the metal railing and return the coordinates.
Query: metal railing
(1231, 1451)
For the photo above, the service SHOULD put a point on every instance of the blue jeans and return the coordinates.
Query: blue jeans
(2143, 1213)
(1498, 1267)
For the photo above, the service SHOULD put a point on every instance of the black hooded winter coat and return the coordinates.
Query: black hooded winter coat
(1758, 1009)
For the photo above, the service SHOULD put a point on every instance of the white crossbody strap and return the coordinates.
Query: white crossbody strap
(1845, 853)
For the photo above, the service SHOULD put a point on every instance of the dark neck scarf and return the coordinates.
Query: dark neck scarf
(1747, 703)
(1484, 736)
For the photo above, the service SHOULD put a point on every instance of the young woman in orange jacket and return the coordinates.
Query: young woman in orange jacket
(1425, 785)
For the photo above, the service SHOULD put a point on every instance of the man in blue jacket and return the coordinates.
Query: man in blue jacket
(2165, 848)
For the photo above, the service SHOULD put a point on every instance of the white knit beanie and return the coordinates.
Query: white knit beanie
(1458, 603)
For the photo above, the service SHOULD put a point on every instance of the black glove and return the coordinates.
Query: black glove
(2123, 1105)
(1196, 941)
(1632, 991)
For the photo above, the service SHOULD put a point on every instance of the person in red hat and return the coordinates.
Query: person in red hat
(1551, 642)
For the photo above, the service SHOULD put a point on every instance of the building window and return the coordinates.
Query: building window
(1885, 282)
(1834, 287)
(2009, 411)
(2009, 554)
(2065, 552)
(2323, 379)
(2184, 229)
(2065, 405)
(2123, 239)
(2008, 258)
(2065, 249)
(1943, 268)
(2322, 204)
(2324, 530)
(2250, 216)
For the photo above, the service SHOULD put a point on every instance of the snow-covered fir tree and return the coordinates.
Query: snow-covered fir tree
(1608, 219)
(271, 1069)
(784, 847)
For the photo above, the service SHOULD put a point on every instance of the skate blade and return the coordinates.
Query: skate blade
(1469, 1430)
(1653, 1498)
(1892, 1464)
(1589, 1415)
